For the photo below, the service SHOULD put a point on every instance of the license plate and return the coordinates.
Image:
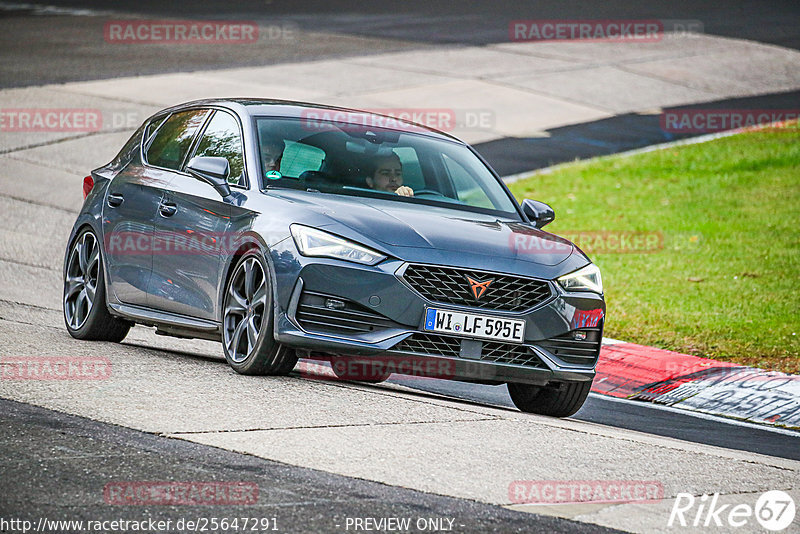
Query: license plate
(474, 325)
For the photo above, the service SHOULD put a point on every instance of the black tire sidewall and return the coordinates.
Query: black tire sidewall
(564, 401)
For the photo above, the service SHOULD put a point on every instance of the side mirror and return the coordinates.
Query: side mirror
(539, 213)
(212, 170)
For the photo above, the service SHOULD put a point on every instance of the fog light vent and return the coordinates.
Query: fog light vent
(333, 304)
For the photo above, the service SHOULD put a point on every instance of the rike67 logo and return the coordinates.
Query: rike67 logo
(774, 511)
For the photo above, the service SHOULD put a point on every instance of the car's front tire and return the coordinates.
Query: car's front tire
(557, 400)
(84, 302)
(247, 322)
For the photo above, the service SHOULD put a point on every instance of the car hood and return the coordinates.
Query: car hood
(403, 225)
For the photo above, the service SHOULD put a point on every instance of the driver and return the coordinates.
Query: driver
(387, 175)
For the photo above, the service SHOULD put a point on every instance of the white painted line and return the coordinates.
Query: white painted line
(44, 9)
(699, 415)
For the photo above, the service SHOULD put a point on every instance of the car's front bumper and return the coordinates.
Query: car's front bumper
(380, 317)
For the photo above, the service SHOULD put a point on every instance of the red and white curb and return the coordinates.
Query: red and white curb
(631, 371)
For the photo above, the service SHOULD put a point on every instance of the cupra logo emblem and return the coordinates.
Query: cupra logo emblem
(479, 288)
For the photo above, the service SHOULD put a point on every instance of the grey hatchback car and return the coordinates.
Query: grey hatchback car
(288, 230)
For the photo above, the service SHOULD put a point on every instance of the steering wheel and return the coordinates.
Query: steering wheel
(419, 192)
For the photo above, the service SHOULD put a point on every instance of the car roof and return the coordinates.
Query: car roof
(292, 109)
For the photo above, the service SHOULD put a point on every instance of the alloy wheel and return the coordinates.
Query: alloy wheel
(80, 281)
(245, 306)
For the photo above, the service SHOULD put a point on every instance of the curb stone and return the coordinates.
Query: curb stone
(637, 372)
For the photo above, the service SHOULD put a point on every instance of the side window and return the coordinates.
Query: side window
(412, 171)
(173, 139)
(298, 158)
(467, 188)
(152, 127)
(223, 139)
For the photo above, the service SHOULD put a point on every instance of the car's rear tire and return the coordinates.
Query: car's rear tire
(559, 400)
(84, 302)
(247, 321)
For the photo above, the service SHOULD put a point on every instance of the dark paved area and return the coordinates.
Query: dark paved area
(511, 155)
(44, 49)
(477, 21)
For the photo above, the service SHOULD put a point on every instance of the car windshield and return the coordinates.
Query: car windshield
(349, 158)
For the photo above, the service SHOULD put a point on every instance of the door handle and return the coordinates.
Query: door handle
(114, 199)
(167, 209)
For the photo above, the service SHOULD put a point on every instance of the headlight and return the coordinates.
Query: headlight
(313, 242)
(585, 279)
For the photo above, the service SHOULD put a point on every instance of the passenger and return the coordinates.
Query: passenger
(386, 174)
(271, 153)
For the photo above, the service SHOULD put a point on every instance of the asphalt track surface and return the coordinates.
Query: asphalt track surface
(74, 49)
(384, 24)
(61, 463)
(58, 461)
(641, 417)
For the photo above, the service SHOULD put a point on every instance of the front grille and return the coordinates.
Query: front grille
(430, 344)
(491, 351)
(450, 286)
(510, 353)
(314, 316)
(571, 350)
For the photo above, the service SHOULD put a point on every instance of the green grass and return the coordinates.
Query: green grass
(726, 284)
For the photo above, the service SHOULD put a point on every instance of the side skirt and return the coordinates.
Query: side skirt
(169, 324)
